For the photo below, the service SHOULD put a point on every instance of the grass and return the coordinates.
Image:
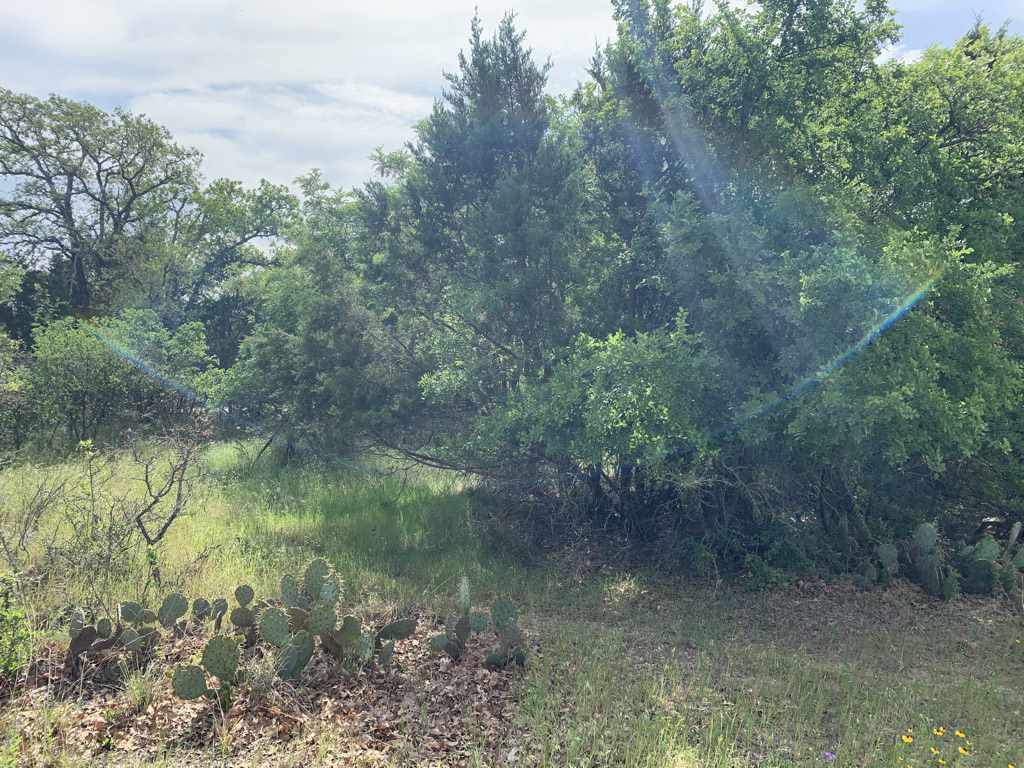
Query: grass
(632, 669)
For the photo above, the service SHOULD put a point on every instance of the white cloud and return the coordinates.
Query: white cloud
(272, 89)
(899, 53)
(266, 89)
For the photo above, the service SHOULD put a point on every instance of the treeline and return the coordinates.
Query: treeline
(747, 296)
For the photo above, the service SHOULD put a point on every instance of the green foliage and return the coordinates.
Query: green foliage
(15, 632)
(94, 379)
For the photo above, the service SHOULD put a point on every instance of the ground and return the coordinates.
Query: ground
(626, 667)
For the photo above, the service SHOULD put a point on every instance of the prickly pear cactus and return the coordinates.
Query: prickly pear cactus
(295, 656)
(297, 619)
(201, 609)
(242, 617)
(189, 682)
(131, 613)
(322, 619)
(350, 632)
(76, 624)
(218, 609)
(104, 628)
(131, 641)
(503, 613)
(364, 647)
(478, 622)
(330, 592)
(244, 595)
(172, 609)
(274, 627)
(397, 630)
(317, 572)
(386, 654)
(220, 658)
(926, 537)
(290, 593)
(889, 557)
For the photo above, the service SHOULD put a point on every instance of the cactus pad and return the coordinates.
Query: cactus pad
(76, 624)
(188, 682)
(131, 613)
(295, 656)
(274, 627)
(322, 619)
(889, 557)
(220, 658)
(503, 613)
(386, 654)
(290, 594)
(926, 536)
(351, 628)
(330, 591)
(316, 574)
(131, 641)
(438, 643)
(201, 609)
(987, 549)
(242, 617)
(297, 619)
(148, 617)
(478, 622)
(398, 630)
(104, 628)
(173, 608)
(244, 595)
(364, 647)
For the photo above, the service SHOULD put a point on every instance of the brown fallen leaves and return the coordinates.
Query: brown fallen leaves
(425, 709)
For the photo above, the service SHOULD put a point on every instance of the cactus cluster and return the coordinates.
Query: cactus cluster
(460, 626)
(313, 609)
(136, 631)
(985, 565)
(511, 646)
(220, 660)
(928, 563)
(288, 628)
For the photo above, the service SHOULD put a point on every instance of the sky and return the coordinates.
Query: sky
(268, 89)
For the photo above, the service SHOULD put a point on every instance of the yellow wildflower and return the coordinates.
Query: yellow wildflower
(940, 731)
(963, 750)
(960, 734)
(907, 738)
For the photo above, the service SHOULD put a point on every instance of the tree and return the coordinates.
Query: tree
(90, 190)
(108, 213)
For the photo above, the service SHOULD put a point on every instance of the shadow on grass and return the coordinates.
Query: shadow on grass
(393, 537)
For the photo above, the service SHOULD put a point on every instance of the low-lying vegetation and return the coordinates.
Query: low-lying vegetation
(622, 667)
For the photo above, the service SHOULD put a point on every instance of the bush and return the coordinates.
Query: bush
(94, 380)
(15, 632)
